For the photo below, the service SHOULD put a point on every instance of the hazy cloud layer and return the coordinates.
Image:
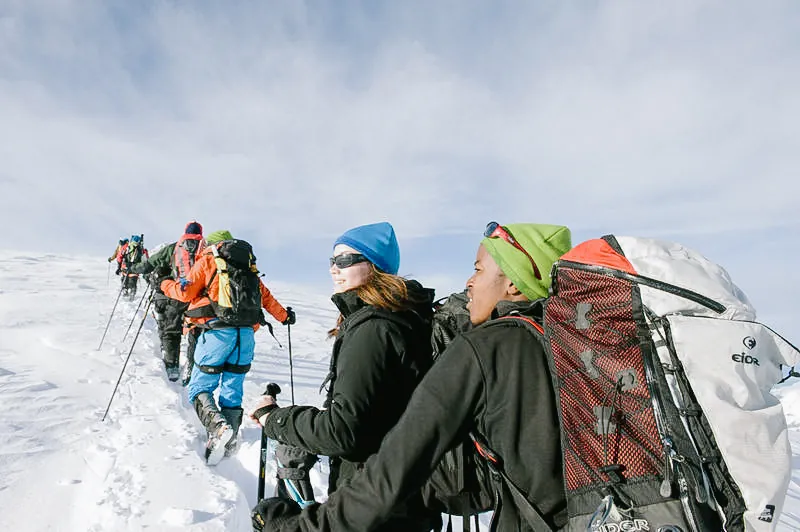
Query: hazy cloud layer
(289, 122)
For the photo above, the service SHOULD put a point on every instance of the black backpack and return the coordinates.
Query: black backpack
(450, 318)
(461, 483)
(133, 253)
(238, 298)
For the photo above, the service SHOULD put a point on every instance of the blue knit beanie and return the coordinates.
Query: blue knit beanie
(377, 242)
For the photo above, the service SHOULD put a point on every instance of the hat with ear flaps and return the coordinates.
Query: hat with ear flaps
(544, 243)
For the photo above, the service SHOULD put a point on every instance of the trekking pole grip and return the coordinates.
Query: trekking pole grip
(272, 389)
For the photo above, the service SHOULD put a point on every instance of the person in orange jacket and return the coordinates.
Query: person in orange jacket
(224, 352)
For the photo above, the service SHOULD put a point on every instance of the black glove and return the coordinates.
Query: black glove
(290, 317)
(117, 272)
(272, 513)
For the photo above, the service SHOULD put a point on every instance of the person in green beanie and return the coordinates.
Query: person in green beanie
(226, 345)
(493, 380)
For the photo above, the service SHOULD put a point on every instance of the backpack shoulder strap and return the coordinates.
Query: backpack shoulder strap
(526, 319)
(529, 512)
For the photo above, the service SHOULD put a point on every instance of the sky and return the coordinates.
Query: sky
(290, 122)
(64, 467)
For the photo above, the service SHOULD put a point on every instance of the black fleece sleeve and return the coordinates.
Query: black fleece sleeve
(363, 378)
(440, 412)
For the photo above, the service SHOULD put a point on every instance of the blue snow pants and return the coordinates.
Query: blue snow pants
(216, 348)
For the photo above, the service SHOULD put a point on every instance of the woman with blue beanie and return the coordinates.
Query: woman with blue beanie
(381, 351)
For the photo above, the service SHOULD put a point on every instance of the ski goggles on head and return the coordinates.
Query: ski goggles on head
(495, 230)
(347, 260)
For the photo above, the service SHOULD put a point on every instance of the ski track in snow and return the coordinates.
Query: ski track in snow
(62, 468)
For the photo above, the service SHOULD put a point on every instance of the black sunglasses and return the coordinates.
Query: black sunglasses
(345, 261)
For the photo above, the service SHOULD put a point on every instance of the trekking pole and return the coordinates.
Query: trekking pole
(291, 371)
(121, 373)
(272, 389)
(109, 318)
(108, 275)
(135, 312)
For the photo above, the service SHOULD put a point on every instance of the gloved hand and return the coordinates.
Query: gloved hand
(110, 259)
(265, 405)
(271, 513)
(118, 270)
(184, 283)
(290, 317)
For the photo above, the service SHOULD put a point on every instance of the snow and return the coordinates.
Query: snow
(62, 468)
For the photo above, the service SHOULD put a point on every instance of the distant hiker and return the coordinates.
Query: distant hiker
(225, 297)
(173, 261)
(122, 242)
(132, 252)
(493, 380)
(382, 350)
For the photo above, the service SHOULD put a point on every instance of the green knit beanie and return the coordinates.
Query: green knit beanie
(219, 236)
(545, 243)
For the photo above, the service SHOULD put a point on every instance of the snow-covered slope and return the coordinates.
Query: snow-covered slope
(61, 468)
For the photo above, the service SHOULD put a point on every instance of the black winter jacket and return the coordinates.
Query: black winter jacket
(493, 379)
(378, 359)
(158, 267)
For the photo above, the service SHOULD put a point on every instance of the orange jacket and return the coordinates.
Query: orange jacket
(202, 272)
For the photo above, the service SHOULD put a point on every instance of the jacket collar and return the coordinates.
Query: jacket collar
(348, 302)
(528, 308)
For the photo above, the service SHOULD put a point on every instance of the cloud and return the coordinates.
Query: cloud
(296, 121)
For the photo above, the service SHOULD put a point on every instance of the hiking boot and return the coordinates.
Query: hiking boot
(234, 418)
(216, 445)
(191, 340)
(171, 350)
(173, 372)
(219, 432)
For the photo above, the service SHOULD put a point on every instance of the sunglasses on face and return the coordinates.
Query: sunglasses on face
(345, 261)
(495, 230)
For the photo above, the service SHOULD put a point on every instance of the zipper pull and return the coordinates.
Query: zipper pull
(665, 490)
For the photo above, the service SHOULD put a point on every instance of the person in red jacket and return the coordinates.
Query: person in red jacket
(224, 352)
(122, 242)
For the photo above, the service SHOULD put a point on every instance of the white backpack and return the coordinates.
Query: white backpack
(664, 382)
